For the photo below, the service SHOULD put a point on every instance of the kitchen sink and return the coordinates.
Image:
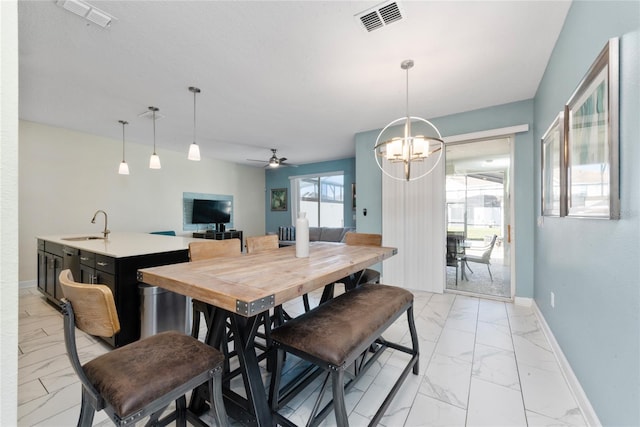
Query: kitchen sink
(81, 238)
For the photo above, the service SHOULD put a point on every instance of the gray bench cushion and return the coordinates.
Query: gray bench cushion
(336, 331)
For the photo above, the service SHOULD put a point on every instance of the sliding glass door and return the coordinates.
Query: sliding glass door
(322, 198)
(479, 217)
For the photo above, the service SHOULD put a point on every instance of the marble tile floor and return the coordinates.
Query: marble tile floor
(482, 363)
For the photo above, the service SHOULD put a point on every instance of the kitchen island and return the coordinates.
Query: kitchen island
(112, 262)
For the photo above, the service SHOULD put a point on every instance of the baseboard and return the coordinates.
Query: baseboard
(588, 412)
(27, 284)
(525, 302)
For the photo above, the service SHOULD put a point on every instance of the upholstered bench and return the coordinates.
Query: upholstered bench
(337, 336)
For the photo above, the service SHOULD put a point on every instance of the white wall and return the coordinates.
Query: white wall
(9, 212)
(65, 176)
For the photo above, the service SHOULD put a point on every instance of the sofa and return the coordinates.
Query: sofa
(287, 235)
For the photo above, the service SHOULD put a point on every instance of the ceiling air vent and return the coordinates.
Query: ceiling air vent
(380, 15)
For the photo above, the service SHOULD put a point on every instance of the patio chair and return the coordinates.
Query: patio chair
(484, 256)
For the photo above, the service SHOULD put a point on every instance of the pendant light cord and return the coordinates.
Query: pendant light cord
(194, 116)
(154, 132)
(123, 124)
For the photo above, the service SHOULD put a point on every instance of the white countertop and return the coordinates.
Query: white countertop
(121, 245)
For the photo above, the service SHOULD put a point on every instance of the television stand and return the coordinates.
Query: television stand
(220, 235)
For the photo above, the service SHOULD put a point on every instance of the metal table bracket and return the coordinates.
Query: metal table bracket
(254, 307)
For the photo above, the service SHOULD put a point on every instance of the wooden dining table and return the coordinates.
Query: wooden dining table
(240, 288)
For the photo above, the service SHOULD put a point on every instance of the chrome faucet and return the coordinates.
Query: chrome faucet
(93, 221)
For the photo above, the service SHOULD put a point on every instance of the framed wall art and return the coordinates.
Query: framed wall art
(554, 176)
(279, 199)
(591, 133)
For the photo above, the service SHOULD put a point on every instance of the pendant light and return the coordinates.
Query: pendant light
(154, 161)
(194, 150)
(124, 167)
(406, 148)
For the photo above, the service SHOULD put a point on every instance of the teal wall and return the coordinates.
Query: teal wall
(369, 184)
(593, 266)
(518, 113)
(279, 178)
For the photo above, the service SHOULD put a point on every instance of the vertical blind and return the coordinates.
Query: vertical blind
(413, 221)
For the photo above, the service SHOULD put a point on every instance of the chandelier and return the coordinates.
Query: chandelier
(410, 147)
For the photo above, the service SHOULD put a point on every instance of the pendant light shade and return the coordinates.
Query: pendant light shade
(408, 148)
(194, 150)
(124, 167)
(154, 161)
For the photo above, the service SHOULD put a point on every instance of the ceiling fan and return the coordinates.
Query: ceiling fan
(274, 161)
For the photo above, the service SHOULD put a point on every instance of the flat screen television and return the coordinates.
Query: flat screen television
(211, 211)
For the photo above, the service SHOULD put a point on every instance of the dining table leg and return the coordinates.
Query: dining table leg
(244, 331)
(254, 410)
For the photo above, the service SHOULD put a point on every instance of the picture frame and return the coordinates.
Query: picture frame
(553, 170)
(279, 200)
(591, 134)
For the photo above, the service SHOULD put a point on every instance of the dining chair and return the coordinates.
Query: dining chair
(142, 378)
(363, 239)
(256, 244)
(367, 275)
(262, 243)
(208, 249)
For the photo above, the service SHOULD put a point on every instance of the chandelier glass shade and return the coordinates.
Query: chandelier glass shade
(410, 147)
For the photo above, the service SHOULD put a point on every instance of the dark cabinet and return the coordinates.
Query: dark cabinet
(52, 259)
(119, 274)
(53, 268)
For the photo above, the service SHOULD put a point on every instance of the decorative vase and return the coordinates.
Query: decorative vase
(302, 235)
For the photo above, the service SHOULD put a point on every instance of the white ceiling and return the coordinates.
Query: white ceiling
(299, 76)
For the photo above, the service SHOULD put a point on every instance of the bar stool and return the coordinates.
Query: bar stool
(208, 249)
(142, 378)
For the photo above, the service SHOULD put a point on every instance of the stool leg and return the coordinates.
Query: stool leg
(337, 380)
(86, 410)
(414, 339)
(217, 402)
(181, 411)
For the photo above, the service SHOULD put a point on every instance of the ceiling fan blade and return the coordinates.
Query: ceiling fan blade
(261, 161)
(288, 164)
(282, 159)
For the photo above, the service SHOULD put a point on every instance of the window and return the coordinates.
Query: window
(321, 197)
